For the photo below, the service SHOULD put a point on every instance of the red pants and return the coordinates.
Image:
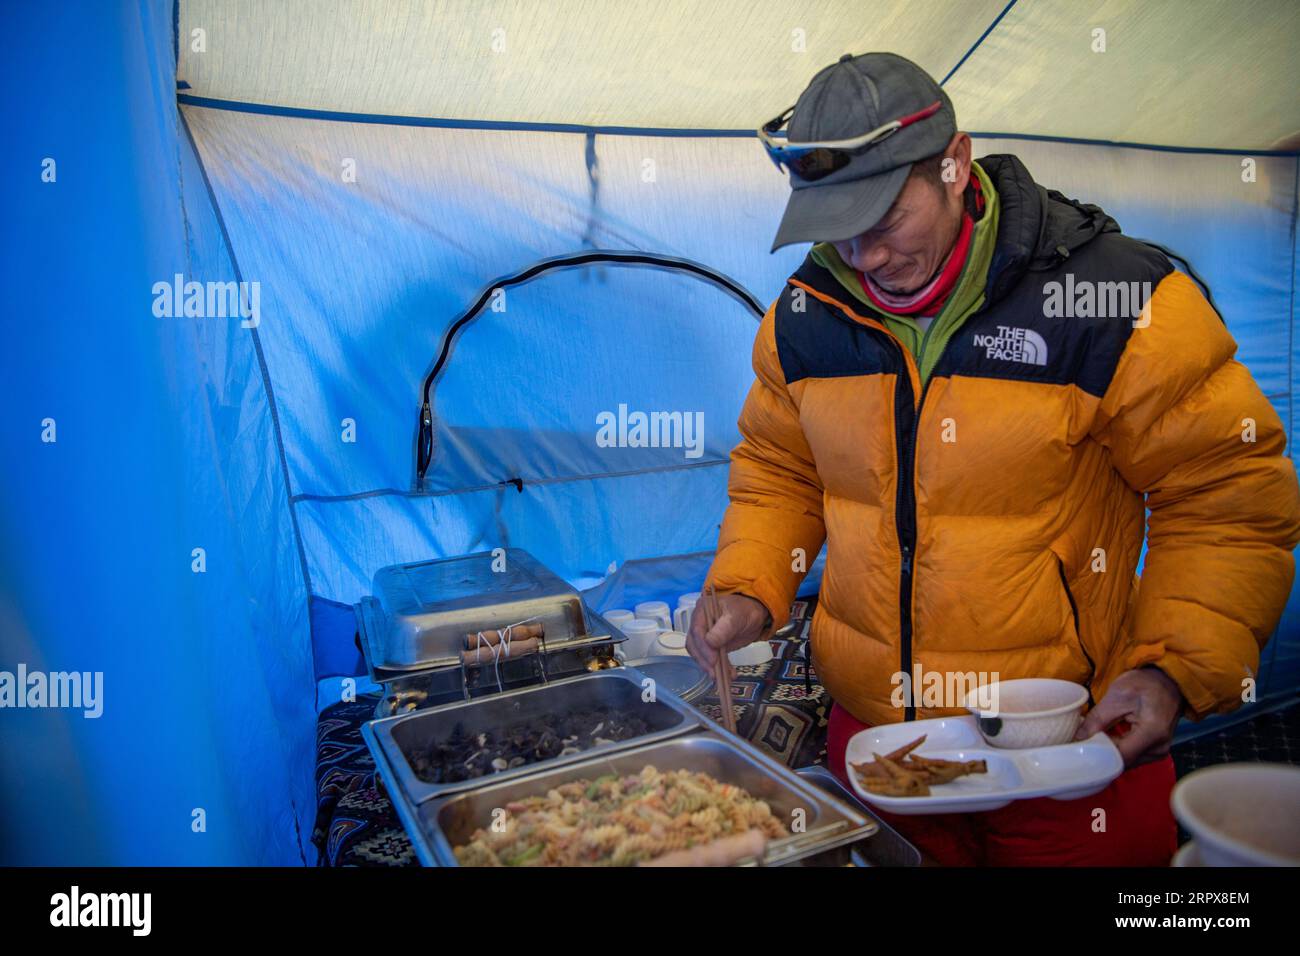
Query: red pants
(1139, 826)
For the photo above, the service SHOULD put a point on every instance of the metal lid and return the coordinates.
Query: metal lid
(678, 673)
(422, 612)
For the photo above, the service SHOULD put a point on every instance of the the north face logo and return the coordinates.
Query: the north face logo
(1013, 344)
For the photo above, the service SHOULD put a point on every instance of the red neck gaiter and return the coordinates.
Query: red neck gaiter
(929, 299)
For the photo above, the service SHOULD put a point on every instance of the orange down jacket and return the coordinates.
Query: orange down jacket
(992, 520)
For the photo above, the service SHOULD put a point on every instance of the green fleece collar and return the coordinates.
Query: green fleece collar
(968, 295)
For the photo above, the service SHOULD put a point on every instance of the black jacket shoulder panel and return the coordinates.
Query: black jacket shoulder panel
(1063, 325)
(816, 340)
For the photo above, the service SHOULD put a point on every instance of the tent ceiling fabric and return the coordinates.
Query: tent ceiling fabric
(1200, 73)
(731, 64)
(674, 64)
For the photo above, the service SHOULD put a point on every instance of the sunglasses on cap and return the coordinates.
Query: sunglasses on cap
(813, 160)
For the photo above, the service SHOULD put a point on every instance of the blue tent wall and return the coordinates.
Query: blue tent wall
(164, 444)
(364, 276)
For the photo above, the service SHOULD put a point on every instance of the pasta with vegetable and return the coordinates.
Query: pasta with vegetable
(618, 820)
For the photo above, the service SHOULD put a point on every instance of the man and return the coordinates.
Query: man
(972, 390)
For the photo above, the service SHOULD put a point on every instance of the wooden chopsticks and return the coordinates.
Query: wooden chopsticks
(720, 676)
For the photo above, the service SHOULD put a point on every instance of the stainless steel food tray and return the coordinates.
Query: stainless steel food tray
(420, 613)
(371, 623)
(425, 690)
(885, 848)
(394, 738)
(437, 825)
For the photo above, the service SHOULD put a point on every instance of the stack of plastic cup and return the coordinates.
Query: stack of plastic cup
(641, 634)
(618, 617)
(682, 616)
(656, 611)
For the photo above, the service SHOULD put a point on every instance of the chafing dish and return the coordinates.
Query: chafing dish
(826, 822)
(413, 630)
(398, 739)
(885, 848)
(416, 689)
(421, 613)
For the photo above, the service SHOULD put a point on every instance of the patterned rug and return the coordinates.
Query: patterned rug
(779, 706)
(355, 822)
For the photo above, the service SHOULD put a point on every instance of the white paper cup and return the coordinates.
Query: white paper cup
(656, 611)
(618, 617)
(1241, 814)
(685, 608)
(641, 634)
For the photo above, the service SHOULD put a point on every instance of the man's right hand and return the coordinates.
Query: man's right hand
(740, 622)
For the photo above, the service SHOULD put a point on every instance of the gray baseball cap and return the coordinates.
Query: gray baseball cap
(853, 96)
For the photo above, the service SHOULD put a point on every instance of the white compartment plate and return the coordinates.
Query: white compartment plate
(1063, 772)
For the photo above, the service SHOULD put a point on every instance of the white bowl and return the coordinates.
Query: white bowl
(670, 643)
(1242, 814)
(1029, 712)
(760, 652)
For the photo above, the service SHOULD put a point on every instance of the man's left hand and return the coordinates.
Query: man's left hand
(1150, 702)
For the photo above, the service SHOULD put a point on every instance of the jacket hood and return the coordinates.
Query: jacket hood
(1038, 228)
